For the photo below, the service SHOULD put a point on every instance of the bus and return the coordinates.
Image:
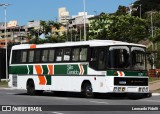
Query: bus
(88, 67)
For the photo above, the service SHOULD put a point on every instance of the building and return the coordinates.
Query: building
(76, 23)
(63, 15)
(33, 24)
(12, 23)
(14, 33)
(78, 20)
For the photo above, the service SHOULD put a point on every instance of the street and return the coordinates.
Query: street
(19, 97)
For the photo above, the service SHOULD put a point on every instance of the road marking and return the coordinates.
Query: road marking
(99, 102)
(59, 98)
(155, 94)
(57, 113)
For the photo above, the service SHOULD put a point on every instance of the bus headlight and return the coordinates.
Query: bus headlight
(123, 89)
(115, 89)
(146, 89)
(119, 88)
(143, 89)
(140, 89)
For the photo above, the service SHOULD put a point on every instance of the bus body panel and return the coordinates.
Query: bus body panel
(64, 73)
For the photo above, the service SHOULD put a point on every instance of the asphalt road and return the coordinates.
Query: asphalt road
(19, 97)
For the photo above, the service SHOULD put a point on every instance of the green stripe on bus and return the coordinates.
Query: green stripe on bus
(127, 73)
(30, 69)
(60, 69)
(18, 70)
(45, 69)
(48, 78)
(70, 69)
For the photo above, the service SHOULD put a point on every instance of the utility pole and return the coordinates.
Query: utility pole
(84, 8)
(5, 18)
(140, 10)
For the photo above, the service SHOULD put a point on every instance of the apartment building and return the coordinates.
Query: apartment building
(14, 33)
(63, 15)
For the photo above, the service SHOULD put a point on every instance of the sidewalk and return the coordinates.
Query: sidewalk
(154, 85)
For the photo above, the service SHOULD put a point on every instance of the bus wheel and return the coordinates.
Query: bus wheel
(88, 90)
(31, 88)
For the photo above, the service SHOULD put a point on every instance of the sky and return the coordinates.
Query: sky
(28, 10)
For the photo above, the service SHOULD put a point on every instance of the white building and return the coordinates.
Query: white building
(78, 20)
(63, 15)
(33, 24)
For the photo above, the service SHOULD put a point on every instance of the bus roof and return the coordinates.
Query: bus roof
(91, 43)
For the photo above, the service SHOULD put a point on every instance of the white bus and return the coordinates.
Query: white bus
(97, 66)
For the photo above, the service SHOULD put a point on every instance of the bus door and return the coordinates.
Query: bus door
(98, 58)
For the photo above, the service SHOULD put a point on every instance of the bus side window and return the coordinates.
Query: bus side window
(16, 56)
(44, 55)
(83, 54)
(93, 60)
(23, 56)
(102, 60)
(93, 55)
(37, 55)
(31, 56)
(59, 53)
(51, 55)
(67, 53)
(75, 54)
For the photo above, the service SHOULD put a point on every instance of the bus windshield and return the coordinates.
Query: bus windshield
(121, 57)
(138, 58)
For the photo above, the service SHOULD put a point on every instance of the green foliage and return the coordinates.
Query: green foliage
(146, 5)
(122, 10)
(123, 28)
(46, 29)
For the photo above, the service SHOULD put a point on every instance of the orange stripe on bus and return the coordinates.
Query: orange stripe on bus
(51, 72)
(33, 46)
(38, 69)
(121, 74)
(42, 80)
(81, 70)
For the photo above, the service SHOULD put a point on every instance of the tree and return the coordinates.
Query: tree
(124, 28)
(146, 5)
(122, 10)
(34, 35)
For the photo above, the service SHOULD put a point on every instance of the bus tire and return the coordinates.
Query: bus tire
(88, 91)
(31, 88)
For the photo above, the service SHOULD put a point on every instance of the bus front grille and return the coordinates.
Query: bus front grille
(130, 81)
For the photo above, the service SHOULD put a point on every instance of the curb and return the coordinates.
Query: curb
(155, 94)
(7, 88)
(154, 81)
